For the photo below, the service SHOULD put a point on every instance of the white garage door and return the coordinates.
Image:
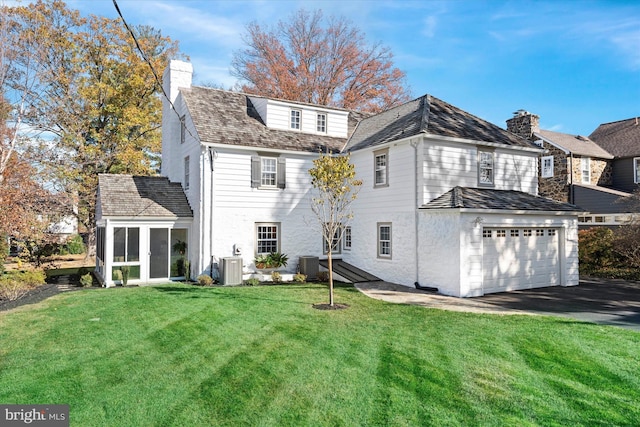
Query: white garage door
(520, 258)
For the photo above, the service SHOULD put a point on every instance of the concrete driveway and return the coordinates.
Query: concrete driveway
(601, 301)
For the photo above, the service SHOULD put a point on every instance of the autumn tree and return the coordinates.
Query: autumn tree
(86, 87)
(327, 62)
(336, 187)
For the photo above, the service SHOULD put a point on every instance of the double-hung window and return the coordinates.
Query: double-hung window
(486, 170)
(585, 163)
(636, 170)
(186, 173)
(381, 168)
(321, 123)
(347, 238)
(547, 167)
(336, 247)
(268, 172)
(267, 238)
(295, 119)
(384, 240)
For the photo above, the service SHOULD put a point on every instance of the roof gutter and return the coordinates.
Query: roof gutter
(254, 149)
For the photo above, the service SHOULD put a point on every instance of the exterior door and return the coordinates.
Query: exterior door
(158, 253)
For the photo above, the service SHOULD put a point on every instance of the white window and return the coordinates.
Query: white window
(321, 123)
(336, 247)
(585, 163)
(487, 233)
(381, 168)
(267, 238)
(485, 167)
(547, 167)
(539, 232)
(186, 173)
(295, 119)
(501, 233)
(527, 233)
(183, 129)
(636, 170)
(514, 233)
(384, 240)
(268, 172)
(347, 238)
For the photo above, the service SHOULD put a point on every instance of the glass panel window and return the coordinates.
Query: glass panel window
(514, 233)
(636, 170)
(501, 233)
(347, 238)
(585, 163)
(335, 244)
(486, 233)
(527, 233)
(485, 167)
(539, 232)
(268, 172)
(295, 119)
(321, 123)
(384, 240)
(126, 244)
(186, 173)
(381, 168)
(179, 252)
(267, 238)
(547, 167)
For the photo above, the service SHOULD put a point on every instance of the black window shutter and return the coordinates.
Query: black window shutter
(282, 172)
(255, 171)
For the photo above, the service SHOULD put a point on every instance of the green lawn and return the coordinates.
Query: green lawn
(180, 355)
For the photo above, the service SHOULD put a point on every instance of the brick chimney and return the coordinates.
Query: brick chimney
(524, 124)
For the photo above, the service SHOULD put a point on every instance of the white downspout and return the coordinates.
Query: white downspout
(414, 144)
(201, 262)
(212, 155)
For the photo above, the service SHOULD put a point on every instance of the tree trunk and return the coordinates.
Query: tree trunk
(330, 263)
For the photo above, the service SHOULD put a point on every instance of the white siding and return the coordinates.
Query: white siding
(277, 115)
(451, 247)
(449, 164)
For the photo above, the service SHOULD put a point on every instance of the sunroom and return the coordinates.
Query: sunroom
(142, 230)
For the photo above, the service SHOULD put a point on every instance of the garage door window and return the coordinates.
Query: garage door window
(551, 232)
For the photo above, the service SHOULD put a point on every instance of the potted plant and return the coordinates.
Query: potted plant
(271, 261)
(181, 248)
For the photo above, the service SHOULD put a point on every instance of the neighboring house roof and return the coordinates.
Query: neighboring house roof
(223, 117)
(432, 116)
(621, 138)
(485, 198)
(136, 196)
(574, 144)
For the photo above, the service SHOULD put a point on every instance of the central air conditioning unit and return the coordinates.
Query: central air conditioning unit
(309, 266)
(231, 273)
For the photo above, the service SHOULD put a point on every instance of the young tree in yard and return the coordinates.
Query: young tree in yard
(86, 88)
(329, 63)
(336, 186)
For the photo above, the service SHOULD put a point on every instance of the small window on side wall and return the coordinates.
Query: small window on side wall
(546, 165)
(267, 238)
(384, 240)
(381, 168)
(321, 123)
(636, 170)
(486, 170)
(186, 173)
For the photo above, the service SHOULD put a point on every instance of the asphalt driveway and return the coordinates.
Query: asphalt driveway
(601, 301)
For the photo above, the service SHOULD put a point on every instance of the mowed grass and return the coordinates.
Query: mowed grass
(179, 355)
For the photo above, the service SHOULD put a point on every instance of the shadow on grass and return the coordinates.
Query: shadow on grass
(219, 291)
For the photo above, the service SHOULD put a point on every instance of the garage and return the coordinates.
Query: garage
(520, 258)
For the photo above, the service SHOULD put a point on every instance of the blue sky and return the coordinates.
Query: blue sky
(574, 63)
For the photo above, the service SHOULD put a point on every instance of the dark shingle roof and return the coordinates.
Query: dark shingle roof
(485, 198)
(579, 145)
(429, 115)
(622, 138)
(142, 196)
(223, 117)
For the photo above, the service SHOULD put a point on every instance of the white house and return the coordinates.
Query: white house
(448, 201)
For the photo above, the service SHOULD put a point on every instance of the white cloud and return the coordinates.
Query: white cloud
(429, 26)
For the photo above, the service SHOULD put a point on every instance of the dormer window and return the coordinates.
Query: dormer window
(321, 121)
(295, 119)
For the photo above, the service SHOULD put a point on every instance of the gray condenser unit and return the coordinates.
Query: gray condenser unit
(309, 267)
(231, 271)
